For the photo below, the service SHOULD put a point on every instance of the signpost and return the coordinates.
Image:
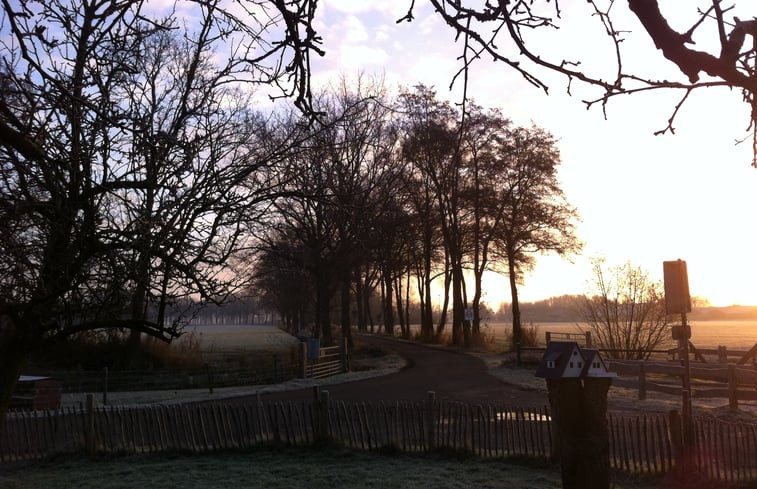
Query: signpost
(469, 314)
(678, 301)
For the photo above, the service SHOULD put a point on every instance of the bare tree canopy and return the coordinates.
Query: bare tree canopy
(129, 156)
(625, 310)
(710, 43)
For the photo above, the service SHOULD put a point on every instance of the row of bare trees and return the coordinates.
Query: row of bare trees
(402, 197)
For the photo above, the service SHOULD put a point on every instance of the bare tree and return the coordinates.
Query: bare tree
(625, 310)
(431, 146)
(536, 218)
(280, 279)
(484, 135)
(711, 43)
(194, 144)
(79, 165)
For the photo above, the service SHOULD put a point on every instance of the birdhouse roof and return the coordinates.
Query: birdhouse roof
(591, 355)
(559, 352)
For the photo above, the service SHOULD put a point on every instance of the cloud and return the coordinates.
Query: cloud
(351, 31)
(358, 7)
(353, 58)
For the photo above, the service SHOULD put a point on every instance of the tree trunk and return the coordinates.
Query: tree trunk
(427, 316)
(427, 310)
(362, 323)
(404, 331)
(516, 310)
(460, 334)
(369, 314)
(407, 302)
(427, 327)
(345, 306)
(323, 317)
(475, 304)
(14, 359)
(445, 302)
(138, 304)
(388, 307)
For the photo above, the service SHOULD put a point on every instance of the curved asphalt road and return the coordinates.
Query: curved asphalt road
(451, 375)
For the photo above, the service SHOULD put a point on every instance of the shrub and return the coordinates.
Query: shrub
(96, 349)
(182, 353)
(529, 336)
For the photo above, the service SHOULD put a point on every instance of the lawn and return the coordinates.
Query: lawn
(286, 469)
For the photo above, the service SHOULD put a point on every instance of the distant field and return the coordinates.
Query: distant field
(232, 338)
(287, 469)
(735, 334)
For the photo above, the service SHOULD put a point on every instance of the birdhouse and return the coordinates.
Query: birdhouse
(595, 366)
(577, 385)
(566, 360)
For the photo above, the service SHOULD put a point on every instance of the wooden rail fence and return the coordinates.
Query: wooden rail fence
(329, 361)
(708, 381)
(649, 444)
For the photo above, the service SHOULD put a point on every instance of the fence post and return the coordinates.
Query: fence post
(722, 354)
(303, 351)
(105, 386)
(733, 400)
(548, 337)
(275, 368)
(642, 381)
(345, 356)
(323, 417)
(89, 426)
(676, 435)
(588, 339)
(209, 373)
(431, 420)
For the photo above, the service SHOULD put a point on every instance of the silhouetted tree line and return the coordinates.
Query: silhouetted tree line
(401, 199)
(557, 309)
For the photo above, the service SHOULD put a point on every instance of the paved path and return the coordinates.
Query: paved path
(451, 375)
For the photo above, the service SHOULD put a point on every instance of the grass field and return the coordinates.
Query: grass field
(287, 469)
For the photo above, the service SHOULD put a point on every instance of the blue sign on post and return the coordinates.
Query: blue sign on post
(314, 349)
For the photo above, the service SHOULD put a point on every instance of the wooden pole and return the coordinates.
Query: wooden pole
(209, 373)
(275, 368)
(105, 386)
(722, 354)
(89, 432)
(642, 381)
(733, 400)
(323, 417)
(430, 420)
(303, 350)
(683, 343)
(345, 356)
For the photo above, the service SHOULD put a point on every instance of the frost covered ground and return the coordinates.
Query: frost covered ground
(619, 399)
(501, 365)
(289, 469)
(366, 367)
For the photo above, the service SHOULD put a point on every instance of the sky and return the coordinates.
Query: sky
(642, 198)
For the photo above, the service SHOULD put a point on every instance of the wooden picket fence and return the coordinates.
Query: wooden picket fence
(638, 444)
